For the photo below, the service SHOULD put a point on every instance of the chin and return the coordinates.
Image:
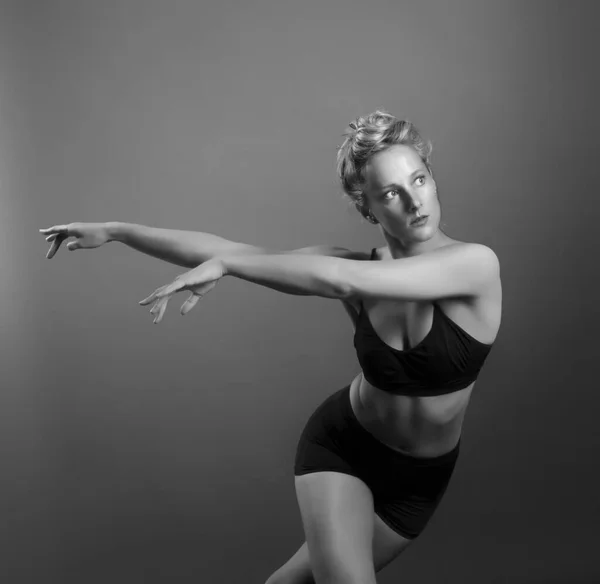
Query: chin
(422, 235)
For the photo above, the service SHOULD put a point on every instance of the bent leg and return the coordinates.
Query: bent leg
(387, 545)
(337, 515)
(345, 541)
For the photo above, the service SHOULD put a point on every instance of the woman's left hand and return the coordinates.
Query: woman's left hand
(200, 280)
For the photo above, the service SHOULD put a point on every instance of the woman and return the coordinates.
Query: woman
(376, 457)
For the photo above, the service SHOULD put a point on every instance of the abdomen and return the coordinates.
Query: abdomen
(421, 425)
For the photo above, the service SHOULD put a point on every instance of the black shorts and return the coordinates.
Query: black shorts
(406, 490)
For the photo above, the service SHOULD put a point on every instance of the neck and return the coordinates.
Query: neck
(399, 249)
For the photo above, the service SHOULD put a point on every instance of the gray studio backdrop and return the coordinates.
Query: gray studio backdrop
(143, 453)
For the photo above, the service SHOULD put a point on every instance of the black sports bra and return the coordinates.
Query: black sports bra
(446, 360)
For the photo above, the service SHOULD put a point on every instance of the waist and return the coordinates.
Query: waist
(417, 426)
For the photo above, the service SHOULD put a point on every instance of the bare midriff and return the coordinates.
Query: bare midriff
(419, 426)
(424, 427)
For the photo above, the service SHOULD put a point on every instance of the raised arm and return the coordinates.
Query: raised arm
(456, 270)
(191, 248)
(183, 248)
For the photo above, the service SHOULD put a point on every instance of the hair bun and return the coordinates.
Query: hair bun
(367, 135)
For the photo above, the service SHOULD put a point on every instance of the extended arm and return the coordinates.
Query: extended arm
(191, 248)
(454, 270)
(183, 248)
(308, 275)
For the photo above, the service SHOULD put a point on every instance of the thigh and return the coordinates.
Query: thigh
(345, 540)
(387, 545)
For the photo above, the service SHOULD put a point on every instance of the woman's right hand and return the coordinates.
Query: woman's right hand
(88, 236)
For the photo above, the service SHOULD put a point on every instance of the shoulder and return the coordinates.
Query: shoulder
(476, 255)
(454, 269)
(477, 263)
(483, 265)
(473, 251)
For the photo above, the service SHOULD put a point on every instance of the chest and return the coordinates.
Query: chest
(400, 325)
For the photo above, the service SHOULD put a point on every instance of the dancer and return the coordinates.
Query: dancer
(375, 458)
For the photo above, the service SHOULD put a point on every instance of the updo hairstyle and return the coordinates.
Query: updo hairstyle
(366, 136)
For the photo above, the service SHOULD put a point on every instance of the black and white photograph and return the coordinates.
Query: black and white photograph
(299, 292)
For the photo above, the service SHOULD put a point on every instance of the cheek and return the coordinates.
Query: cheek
(434, 201)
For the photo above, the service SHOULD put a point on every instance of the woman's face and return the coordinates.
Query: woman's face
(398, 188)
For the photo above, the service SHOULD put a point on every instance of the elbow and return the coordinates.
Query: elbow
(336, 281)
(344, 289)
(342, 292)
(330, 289)
(351, 280)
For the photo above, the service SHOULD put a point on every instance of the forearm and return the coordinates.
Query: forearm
(183, 248)
(308, 275)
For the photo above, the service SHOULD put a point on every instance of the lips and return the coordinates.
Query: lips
(418, 219)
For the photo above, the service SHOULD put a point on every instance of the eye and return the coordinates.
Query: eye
(390, 192)
(421, 177)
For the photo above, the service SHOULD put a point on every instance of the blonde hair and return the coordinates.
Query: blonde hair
(370, 134)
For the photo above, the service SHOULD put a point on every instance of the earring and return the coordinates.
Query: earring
(371, 218)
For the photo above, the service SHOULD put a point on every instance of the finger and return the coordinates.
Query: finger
(53, 248)
(190, 303)
(171, 289)
(55, 229)
(161, 311)
(146, 300)
(157, 295)
(48, 229)
(156, 308)
(150, 298)
(162, 292)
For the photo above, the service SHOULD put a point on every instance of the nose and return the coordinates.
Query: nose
(410, 199)
(415, 205)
